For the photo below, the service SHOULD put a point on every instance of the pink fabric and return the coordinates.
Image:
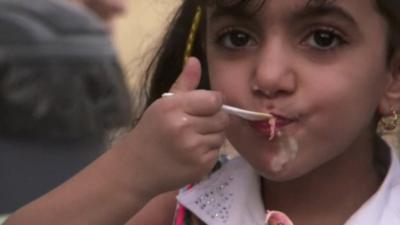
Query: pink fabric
(180, 217)
(181, 210)
(277, 218)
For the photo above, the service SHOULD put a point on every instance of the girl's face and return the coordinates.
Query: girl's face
(320, 68)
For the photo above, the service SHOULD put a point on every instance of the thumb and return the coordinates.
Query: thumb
(189, 79)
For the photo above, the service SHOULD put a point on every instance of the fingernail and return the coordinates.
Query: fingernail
(167, 94)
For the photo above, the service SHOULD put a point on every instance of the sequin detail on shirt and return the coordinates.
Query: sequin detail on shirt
(216, 202)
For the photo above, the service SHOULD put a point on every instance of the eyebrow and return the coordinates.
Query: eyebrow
(236, 13)
(311, 11)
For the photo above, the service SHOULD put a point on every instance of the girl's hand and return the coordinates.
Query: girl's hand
(177, 140)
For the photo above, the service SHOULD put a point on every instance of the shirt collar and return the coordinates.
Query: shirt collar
(231, 196)
(373, 210)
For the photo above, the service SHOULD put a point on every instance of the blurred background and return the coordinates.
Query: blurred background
(137, 31)
(31, 166)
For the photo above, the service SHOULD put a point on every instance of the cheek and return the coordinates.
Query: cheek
(229, 78)
(346, 101)
(351, 81)
(340, 106)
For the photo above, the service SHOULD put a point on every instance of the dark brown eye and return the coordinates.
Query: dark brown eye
(239, 39)
(236, 39)
(324, 39)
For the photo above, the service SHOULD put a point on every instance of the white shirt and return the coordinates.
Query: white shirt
(232, 196)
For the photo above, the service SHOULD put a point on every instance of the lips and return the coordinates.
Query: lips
(264, 127)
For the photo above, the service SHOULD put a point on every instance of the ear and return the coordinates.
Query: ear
(391, 98)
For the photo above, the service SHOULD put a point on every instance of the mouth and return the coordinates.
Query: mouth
(268, 129)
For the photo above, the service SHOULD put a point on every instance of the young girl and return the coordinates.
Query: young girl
(327, 71)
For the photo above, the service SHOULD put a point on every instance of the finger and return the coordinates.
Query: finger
(213, 124)
(205, 164)
(210, 158)
(213, 141)
(189, 79)
(202, 103)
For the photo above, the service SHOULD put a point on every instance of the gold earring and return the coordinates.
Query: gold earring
(389, 123)
(192, 35)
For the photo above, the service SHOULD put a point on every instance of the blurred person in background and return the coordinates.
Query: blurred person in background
(61, 92)
(107, 10)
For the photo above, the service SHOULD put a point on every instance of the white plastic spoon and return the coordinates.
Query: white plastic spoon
(245, 114)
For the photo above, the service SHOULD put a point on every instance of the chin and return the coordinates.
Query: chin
(281, 176)
(284, 174)
(279, 171)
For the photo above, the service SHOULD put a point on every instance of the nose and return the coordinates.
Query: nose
(274, 74)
